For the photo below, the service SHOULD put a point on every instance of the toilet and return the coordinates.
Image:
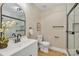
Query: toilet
(43, 45)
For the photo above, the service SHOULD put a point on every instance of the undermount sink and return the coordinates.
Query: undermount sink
(19, 44)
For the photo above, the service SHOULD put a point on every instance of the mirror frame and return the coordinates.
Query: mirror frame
(12, 17)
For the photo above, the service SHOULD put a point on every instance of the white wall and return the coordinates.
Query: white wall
(32, 17)
(52, 17)
(55, 17)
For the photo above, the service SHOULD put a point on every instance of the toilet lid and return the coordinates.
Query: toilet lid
(44, 43)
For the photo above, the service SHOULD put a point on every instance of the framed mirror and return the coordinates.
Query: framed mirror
(13, 19)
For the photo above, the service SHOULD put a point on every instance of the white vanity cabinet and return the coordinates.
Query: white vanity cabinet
(30, 50)
(27, 47)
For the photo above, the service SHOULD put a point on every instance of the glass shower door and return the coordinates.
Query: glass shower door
(76, 30)
(71, 36)
(73, 32)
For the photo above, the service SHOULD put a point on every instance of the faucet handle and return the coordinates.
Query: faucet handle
(14, 34)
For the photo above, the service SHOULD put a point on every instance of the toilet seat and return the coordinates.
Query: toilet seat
(45, 43)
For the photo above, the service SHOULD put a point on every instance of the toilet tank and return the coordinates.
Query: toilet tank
(39, 38)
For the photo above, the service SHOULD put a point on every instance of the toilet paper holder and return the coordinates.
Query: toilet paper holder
(56, 36)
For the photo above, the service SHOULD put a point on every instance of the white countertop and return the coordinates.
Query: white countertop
(15, 47)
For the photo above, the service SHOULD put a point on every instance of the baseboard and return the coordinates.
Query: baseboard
(59, 49)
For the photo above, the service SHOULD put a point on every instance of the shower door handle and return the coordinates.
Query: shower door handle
(71, 32)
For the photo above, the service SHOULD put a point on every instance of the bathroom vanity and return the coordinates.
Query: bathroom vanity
(14, 21)
(27, 47)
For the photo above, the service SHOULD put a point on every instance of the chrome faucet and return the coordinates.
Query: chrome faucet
(18, 36)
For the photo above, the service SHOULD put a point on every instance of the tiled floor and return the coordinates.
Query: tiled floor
(51, 53)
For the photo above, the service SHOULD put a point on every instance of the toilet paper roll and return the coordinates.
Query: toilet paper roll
(31, 31)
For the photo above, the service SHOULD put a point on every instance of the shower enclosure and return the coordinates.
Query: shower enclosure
(73, 30)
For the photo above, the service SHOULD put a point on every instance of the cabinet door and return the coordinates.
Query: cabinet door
(31, 50)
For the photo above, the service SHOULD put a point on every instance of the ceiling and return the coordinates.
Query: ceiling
(47, 6)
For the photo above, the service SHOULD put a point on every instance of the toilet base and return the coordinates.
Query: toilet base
(43, 49)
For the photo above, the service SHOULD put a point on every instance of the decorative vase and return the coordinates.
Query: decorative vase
(3, 42)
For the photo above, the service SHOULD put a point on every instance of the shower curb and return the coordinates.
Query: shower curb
(59, 49)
